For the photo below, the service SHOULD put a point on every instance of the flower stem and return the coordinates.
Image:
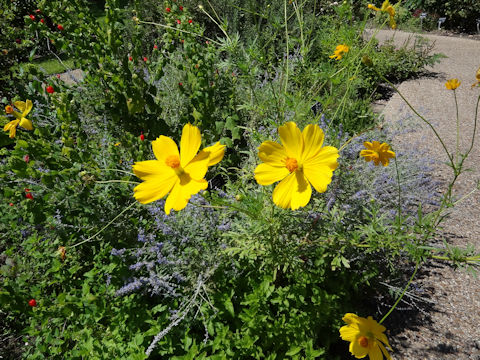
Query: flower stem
(109, 223)
(399, 194)
(458, 127)
(401, 296)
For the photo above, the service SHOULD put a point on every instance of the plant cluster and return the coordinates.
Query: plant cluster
(203, 193)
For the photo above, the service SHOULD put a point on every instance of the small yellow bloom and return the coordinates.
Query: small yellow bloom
(20, 119)
(379, 153)
(386, 8)
(452, 84)
(117, 143)
(366, 337)
(180, 173)
(477, 76)
(299, 162)
(340, 50)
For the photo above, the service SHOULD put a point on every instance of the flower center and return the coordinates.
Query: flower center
(173, 161)
(8, 109)
(291, 164)
(363, 341)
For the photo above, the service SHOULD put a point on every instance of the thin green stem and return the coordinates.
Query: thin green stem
(216, 23)
(458, 128)
(103, 228)
(450, 157)
(399, 194)
(181, 30)
(286, 41)
(118, 170)
(116, 181)
(401, 296)
(474, 128)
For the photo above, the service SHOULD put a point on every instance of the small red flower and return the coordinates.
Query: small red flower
(167, 9)
(207, 42)
(190, 21)
(26, 158)
(18, 41)
(42, 21)
(50, 89)
(38, 11)
(180, 84)
(181, 8)
(58, 76)
(155, 47)
(32, 17)
(27, 190)
(32, 303)
(59, 27)
(178, 21)
(130, 58)
(145, 59)
(182, 41)
(29, 196)
(11, 204)
(142, 137)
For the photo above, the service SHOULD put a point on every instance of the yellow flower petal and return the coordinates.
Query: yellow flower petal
(319, 177)
(292, 139)
(266, 174)
(348, 333)
(182, 192)
(312, 140)
(152, 168)
(384, 351)
(215, 153)
(375, 353)
(272, 153)
(12, 128)
(155, 188)
(26, 124)
(452, 84)
(357, 350)
(164, 147)
(292, 192)
(28, 108)
(189, 144)
(20, 105)
(198, 166)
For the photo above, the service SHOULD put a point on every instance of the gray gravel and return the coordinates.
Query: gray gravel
(450, 328)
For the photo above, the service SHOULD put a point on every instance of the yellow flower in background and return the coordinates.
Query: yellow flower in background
(386, 8)
(20, 118)
(299, 162)
(179, 173)
(452, 84)
(376, 152)
(366, 337)
(340, 50)
(477, 76)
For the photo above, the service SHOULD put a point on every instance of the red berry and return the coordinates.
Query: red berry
(142, 137)
(42, 21)
(29, 196)
(145, 59)
(130, 58)
(18, 41)
(155, 47)
(26, 158)
(50, 89)
(190, 21)
(58, 76)
(32, 17)
(27, 190)
(38, 11)
(180, 84)
(11, 204)
(181, 8)
(32, 303)
(167, 9)
(59, 27)
(178, 21)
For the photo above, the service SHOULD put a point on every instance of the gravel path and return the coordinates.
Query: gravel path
(446, 325)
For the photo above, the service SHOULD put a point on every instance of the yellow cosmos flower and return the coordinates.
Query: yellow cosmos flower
(179, 173)
(20, 119)
(452, 84)
(366, 337)
(340, 50)
(386, 8)
(477, 76)
(377, 152)
(299, 162)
